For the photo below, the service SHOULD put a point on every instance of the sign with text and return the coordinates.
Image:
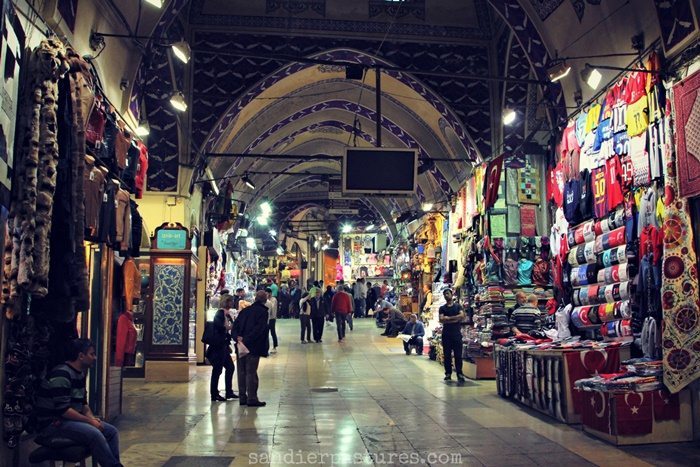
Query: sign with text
(171, 239)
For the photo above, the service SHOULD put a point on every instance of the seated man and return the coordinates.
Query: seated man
(62, 409)
(395, 322)
(527, 317)
(416, 330)
(381, 312)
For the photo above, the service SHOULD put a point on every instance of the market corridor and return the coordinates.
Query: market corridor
(387, 404)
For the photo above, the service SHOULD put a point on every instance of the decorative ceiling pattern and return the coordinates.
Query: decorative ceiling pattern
(516, 96)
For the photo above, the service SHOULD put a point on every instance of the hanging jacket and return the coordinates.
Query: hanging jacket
(141, 170)
(132, 282)
(126, 338)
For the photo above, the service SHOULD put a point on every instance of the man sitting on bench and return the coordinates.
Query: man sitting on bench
(62, 409)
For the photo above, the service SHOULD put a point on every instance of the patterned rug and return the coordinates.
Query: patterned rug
(679, 290)
(687, 119)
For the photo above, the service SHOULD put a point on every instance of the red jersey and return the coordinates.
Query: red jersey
(613, 176)
(600, 206)
(636, 87)
(626, 172)
(555, 185)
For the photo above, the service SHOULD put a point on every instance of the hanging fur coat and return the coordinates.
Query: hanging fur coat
(27, 249)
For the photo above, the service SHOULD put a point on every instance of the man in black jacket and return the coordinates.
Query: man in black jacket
(251, 329)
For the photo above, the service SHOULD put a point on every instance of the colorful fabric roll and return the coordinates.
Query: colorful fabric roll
(614, 221)
(584, 275)
(581, 316)
(610, 240)
(613, 256)
(614, 311)
(613, 274)
(606, 312)
(581, 234)
(583, 254)
(616, 329)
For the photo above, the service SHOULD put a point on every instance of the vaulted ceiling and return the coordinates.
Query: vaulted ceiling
(245, 98)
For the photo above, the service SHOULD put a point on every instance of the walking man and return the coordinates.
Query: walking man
(272, 322)
(317, 313)
(251, 329)
(341, 307)
(305, 316)
(359, 293)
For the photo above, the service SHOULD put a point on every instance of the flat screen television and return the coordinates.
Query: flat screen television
(380, 171)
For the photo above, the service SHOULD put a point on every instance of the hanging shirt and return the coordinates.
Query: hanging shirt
(600, 207)
(580, 131)
(572, 198)
(586, 201)
(613, 182)
(621, 143)
(640, 159)
(626, 173)
(593, 117)
(525, 267)
(656, 149)
(647, 210)
(589, 156)
(555, 185)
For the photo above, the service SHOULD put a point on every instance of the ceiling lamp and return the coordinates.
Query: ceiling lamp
(427, 207)
(249, 183)
(330, 241)
(280, 251)
(177, 100)
(144, 129)
(347, 228)
(369, 228)
(272, 233)
(509, 116)
(250, 243)
(591, 76)
(155, 3)
(558, 70)
(182, 51)
(324, 247)
(262, 220)
(384, 227)
(265, 208)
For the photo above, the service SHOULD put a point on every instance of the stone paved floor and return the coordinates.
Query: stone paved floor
(390, 409)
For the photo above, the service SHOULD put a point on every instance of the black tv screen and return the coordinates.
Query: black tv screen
(380, 171)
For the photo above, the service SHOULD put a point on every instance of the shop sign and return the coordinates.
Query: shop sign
(347, 211)
(168, 239)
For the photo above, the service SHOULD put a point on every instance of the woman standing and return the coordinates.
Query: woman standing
(219, 354)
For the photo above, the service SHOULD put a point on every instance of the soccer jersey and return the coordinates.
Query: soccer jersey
(585, 206)
(640, 159)
(637, 116)
(600, 206)
(603, 133)
(572, 198)
(593, 117)
(580, 131)
(588, 157)
(626, 172)
(613, 182)
(636, 87)
(621, 143)
(555, 184)
(568, 140)
(656, 148)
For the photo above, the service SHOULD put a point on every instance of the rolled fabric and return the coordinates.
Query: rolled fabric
(615, 329)
(606, 312)
(584, 275)
(615, 220)
(613, 256)
(581, 316)
(613, 274)
(581, 234)
(583, 254)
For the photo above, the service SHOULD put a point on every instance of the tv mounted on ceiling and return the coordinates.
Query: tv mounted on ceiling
(380, 171)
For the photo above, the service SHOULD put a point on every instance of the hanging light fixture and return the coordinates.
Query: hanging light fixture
(558, 70)
(509, 116)
(369, 228)
(144, 129)
(347, 228)
(155, 3)
(177, 100)
(591, 76)
(182, 51)
(249, 183)
(427, 207)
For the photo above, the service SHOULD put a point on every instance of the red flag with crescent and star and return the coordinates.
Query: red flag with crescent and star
(493, 181)
(667, 406)
(633, 413)
(596, 414)
(584, 364)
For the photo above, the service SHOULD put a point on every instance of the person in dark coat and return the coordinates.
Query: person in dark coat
(371, 298)
(295, 297)
(219, 355)
(251, 329)
(315, 301)
(283, 300)
(327, 299)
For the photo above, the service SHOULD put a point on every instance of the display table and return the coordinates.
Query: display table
(639, 417)
(544, 379)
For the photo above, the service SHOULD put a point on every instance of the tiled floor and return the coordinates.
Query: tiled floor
(389, 409)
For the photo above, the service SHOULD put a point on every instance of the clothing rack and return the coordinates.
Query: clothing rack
(48, 32)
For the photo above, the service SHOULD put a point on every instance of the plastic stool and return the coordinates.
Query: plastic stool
(57, 449)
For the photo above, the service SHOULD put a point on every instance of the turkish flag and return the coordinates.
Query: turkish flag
(493, 181)
(667, 406)
(587, 363)
(633, 413)
(596, 414)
